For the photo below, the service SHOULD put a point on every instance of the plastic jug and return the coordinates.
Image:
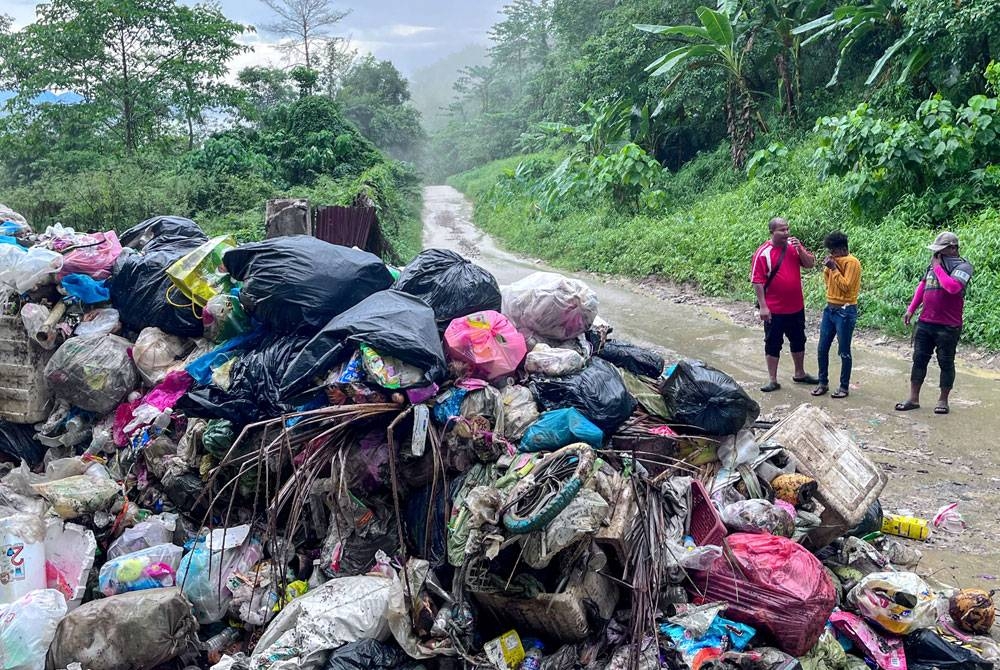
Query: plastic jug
(912, 527)
(22, 556)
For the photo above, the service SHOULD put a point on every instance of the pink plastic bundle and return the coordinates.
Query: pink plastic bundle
(95, 259)
(486, 342)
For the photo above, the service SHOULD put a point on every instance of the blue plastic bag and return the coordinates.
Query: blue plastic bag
(86, 289)
(722, 634)
(561, 427)
(201, 368)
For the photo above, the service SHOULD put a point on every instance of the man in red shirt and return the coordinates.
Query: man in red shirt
(777, 278)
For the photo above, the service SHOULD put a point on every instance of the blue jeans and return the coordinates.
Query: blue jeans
(837, 322)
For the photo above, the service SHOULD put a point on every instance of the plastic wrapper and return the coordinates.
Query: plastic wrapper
(721, 634)
(553, 361)
(141, 234)
(224, 318)
(885, 652)
(926, 650)
(22, 559)
(340, 611)
(450, 284)
(93, 373)
(705, 398)
(18, 444)
(758, 516)
(151, 568)
(141, 290)
(204, 572)
(149, 628)
(519, 410)
(598, 391)
(102, 321)
(637, 360)
(199, 274)
(95, 259)
(70, 550)
(949, 519)
(75, 496)
(301, 283)
(778, 587)
(550, 305)
(899, 602)
(391, 322)
(485, 344)
(27, 627)
(559, 428)
(156, 353)
(582, 518)
(390, 372)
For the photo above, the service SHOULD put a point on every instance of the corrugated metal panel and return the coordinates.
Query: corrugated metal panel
(347, 226)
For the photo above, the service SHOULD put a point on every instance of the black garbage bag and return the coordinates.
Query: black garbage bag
(140, 285)
(254, 383)
(391, 322)
(926, 650)
(139, 235)
(299, 283)
(378, 532)
(366, 655)
(598, 391)
(450, 284)
(705, 398)
(637, 360)
(17, 443)
(871, 522)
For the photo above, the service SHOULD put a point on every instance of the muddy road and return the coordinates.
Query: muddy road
(931, 460)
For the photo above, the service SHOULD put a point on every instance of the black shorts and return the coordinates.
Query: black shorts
(792, 326)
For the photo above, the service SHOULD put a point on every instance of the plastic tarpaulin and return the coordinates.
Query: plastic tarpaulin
(300, 283)
(778, 587)
(392, 322)
(450, 284)
(598, 391)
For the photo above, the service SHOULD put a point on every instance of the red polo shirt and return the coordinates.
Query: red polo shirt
(784, 293)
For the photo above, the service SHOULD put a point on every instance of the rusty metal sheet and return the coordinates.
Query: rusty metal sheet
(347, 226)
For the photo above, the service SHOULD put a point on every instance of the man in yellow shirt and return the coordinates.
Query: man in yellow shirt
(842, 274)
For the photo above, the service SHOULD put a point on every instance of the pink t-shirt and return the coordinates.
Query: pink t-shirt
(784, 293)
(943, 294)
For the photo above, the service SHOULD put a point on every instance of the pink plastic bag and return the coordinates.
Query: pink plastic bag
(486, 342)
(783, 589)
(885, 650)
(95, 260)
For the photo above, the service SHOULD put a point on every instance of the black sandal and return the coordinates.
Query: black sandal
(808, 379)
(840, 393)
(820, 390)
(941, 409)
(906, 406)
(770, 386)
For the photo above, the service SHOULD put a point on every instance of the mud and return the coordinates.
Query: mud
(931, 460)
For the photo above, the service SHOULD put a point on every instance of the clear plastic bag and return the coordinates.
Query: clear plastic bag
(758, 516)
(75, 496)
(550, 305)
(27, 628)
(899, 602)
(151, 568)
(102, 321)
(519, 409)
(224, 318)
(93, 373)
(30, 269)
(155, 354)
(34, 316)
(224, 552)
(553, 361)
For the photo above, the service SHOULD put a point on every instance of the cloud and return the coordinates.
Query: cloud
(404, 30)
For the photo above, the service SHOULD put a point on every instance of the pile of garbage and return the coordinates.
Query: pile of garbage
(287, 454)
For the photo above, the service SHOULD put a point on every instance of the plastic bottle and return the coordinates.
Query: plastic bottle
(532, 654)
(162, 421)
(317, 578)
(217, 643)
(912, 527)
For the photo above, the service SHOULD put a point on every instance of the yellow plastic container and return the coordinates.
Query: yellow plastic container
(505, 652)
(912, 527)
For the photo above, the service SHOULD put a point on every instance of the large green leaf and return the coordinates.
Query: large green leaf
(886, 57)
(813, 25)
(682, 55)
(687, 31)
(918, 58)
(717, 25)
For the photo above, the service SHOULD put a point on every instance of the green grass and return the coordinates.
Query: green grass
(717, 219)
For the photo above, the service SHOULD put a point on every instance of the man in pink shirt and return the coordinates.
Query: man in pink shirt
(942, 294)
(776, 275)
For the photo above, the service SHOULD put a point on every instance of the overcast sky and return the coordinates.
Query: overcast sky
(410, 33)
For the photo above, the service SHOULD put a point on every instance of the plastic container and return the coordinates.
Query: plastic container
(848, 481)
(219, 642)
(912, 527)
(22, 556)
(24, 393)
(706, 524)
(532, 654)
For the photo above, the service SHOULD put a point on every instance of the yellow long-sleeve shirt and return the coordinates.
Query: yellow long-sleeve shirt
(844, 283)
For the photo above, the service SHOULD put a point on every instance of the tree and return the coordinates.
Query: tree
(132, 61)
(305, 78)
(721, 47)
(336, 61)
(263, 88)
(303, 22)
(375, 96)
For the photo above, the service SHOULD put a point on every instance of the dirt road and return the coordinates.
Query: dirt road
(931, 460)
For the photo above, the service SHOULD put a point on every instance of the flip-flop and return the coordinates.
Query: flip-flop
(820, 390)
(770, 386)
(906, 406)
(840, 393)
(808, 379)
(941, 409)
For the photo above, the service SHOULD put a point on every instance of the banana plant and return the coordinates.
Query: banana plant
(716, 44)
(856, 22)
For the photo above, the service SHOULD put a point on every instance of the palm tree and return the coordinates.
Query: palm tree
(716, 45)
